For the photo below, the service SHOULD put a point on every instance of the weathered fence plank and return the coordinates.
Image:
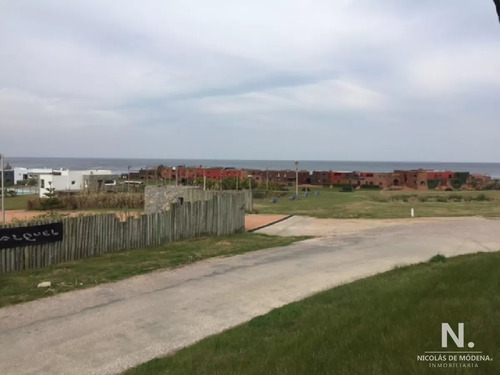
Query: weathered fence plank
(83, 237)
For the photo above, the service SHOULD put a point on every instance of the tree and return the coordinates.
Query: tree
(50, 201)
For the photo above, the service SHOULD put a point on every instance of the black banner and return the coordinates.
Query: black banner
(28, 236)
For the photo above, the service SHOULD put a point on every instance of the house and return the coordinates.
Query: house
(21, 174)
(64, 180)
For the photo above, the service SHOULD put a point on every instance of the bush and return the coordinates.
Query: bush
(456, 183)
(372, 187)
(439, 258)
(462, 177)
(482, 198)
(432, 184)
(404, 197)
(93, 201)
(269, 194)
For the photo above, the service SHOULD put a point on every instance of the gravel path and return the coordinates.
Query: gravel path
(107, 329)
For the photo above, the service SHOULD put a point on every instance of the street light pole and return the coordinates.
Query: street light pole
(3, 190)
(297, 178)
(250, 183)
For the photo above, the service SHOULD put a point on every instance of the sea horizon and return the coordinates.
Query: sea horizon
(121, 165)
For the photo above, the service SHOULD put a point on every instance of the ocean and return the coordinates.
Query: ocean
(122, 165)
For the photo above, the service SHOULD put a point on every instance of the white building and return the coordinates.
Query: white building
(66, 180)
(21, 174)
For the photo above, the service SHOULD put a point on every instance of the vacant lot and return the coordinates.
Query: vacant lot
(385, 204)
(377, 325)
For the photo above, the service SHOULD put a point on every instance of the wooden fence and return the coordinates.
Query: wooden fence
(90, 236)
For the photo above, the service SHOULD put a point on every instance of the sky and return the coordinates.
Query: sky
(396, 80)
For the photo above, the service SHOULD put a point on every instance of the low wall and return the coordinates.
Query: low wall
(159, 198)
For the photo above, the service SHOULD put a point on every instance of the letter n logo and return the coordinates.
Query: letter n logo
(458, 339)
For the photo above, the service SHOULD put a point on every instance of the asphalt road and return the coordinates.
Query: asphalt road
(107, 329)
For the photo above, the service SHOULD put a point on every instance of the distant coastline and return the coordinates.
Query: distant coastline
(121, 165)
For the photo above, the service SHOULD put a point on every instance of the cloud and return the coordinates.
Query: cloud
(365, 79)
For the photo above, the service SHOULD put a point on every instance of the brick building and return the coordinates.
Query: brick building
(419, 179)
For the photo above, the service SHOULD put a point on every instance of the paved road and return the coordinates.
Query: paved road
(109, 328)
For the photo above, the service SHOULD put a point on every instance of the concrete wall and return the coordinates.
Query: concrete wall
(160, 198)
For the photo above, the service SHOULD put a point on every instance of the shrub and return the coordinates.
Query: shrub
(482, 198)
(456, 183)
(94, 201)
(432, 184)
(404, 197)
(50, 201)
(455, 198)
(439, 258)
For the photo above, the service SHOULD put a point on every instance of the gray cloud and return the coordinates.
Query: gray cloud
(282, 79)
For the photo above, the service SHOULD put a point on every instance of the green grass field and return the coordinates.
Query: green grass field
(19, 202)
(385, 204)
(377, 326)
(17, 287)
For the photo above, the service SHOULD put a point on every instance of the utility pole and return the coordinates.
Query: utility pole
(267, 178)
(250, 183)
(3, 189)
(238, 178)
(297, 178)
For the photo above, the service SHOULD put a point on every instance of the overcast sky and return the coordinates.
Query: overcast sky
(261, 79)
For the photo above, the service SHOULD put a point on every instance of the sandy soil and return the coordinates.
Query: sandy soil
(11, 215)
(258, 221)
(310, 226)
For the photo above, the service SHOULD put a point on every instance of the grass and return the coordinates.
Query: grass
(19, 202)
(385, 204)
(377, 325)
(20, 287)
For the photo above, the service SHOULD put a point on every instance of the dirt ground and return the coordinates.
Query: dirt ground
(258, 221)
(11, 215)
